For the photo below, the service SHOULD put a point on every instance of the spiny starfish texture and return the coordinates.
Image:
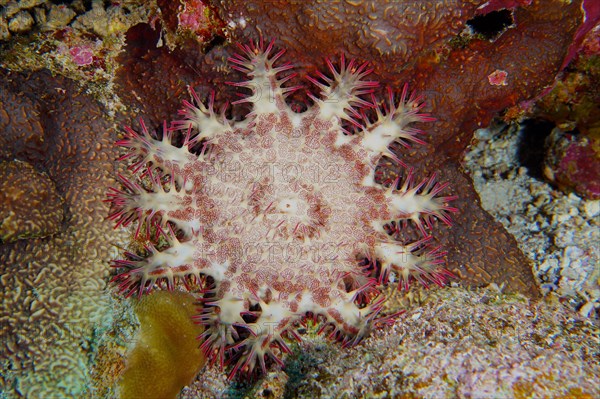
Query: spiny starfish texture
(280, 216)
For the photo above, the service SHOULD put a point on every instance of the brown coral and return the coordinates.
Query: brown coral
(387, 31)
(31, 207)
(52, 287)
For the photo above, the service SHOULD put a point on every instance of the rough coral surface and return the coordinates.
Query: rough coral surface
(505, 346)
(52, 290)
(279, 215)
(31, 207)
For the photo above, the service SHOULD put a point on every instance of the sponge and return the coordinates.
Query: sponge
(166, 356)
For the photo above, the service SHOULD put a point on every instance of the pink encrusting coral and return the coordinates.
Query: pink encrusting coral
(280, 216)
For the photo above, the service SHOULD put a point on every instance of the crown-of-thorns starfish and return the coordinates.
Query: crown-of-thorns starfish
(279, 216)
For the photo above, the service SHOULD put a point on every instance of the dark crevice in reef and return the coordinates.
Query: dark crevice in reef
(491, 25)
(530, 153)
(140, 39)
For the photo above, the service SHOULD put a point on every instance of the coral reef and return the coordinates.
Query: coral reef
(387, 31)
(434, 46)
(97, 17)
(192, 21)
(505, 346)
(31, 207)
(559, 232)
(79, 40)
(53, 300)
(52, 126)
(572, 162)
(572, 155)
(452, 74)
(280, 215)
